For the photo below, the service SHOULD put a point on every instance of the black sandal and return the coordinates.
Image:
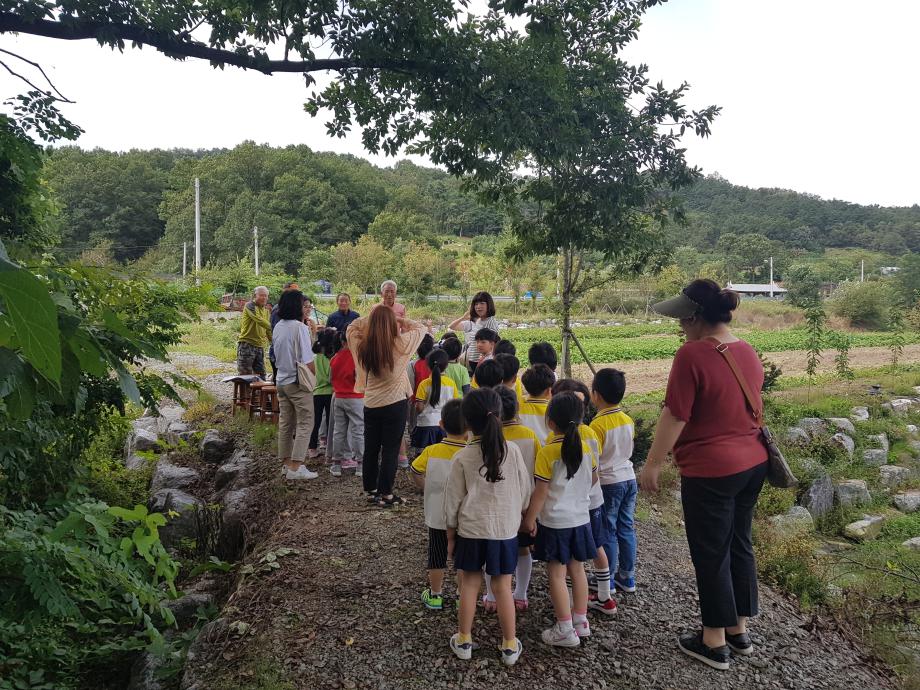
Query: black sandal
(372, 497)
(390, 502)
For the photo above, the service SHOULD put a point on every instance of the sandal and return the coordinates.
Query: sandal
(372, 497)
(394, 500)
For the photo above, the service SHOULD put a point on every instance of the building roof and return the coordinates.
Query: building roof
(756, 287)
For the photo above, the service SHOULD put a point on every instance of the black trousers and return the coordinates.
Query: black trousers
(383, 432)
(321, 403)
(717, 515)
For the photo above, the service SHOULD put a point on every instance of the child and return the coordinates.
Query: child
(457, 372)
(487, 491)
(431, 469)
(565, 470)
(538, 384)
(486, 339)
(347, 414)
(615, 430)
(504, 347)
(323, 351)
(488, 374)
(511, 365)
(430, 396)
(543, 353)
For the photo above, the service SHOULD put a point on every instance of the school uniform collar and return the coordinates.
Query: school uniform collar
(609, 410)
(536, 400)
(555, 438)
(474, 441)
(513, 422)
(455, 444)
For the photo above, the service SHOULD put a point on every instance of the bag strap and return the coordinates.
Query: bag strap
(722, 349)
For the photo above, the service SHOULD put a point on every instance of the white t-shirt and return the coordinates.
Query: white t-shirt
(284, 336)
(568, 501)
(471, 328)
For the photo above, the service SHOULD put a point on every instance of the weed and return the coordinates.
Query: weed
(263, 436)
(789, 562)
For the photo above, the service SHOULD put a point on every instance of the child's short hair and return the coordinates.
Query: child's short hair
(488, 374)
(325, 342)
(451, 346)
(509, 403)
(452, 417)
(510, 366)
(426, 346)
(610, 384)
(487, 334)
(538, 379)
(543, 353)
(505, 347)
(573, 386)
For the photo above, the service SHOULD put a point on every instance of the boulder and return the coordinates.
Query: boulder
(195, 675)
(168, 415)
(141, 439)
(859, 414)
(813, 426)
(146, 672)
(844, 443)
(901, 405)
(796, 436)
(797, 520)
(175, 432)
(818, 499)
(147, 423)
(186, 607)
(136, 461)
(911, 428)
(852, 492)
(907, 501)
(169, 476)
(233, 474)
(915, 447)
(867, 528)
(232, 539)
(893, 476)
(214, 447)
(875, 456)
(913, 544)
(182, 526)
(842, 424)
(879, 441)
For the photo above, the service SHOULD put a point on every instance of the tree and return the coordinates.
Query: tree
(366, 263)
(748, 253)
(863, 304)
(803, 284)
(422, 266)
(907, 280)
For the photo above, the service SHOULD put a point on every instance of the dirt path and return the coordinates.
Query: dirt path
(652, 374)
(344, 612)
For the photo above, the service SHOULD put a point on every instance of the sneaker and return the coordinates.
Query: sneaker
(521, 604)
(582, 628)
(335, 469)
(432, 601)
(510, 656)
(607, 607)
(489, 605)
(359, 472)
(625, 584)
(740, 643)
(463, 651)
(692, 645)
(592, 581)
(403, 462)
(349, 465)
(557, 637)
(313, 453)
(300, 473)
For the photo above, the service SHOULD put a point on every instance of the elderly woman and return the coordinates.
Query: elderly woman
(481, 315)
(722, 462)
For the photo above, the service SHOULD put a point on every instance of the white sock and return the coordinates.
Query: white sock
(489, 595)
(579, 618)
(522, 577)
(566, 625)
(603, 584)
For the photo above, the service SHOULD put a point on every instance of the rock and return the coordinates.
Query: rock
(232, 539)
(168, 415)
(175, 432)
(908, 501)
(136, 461)
(186, 607)
(915, 447)
(913, 544)
(911, 428)
(169, 476)
(859, 414)
(875, 456)
(831, 546)
(146, 423)
(194, 677)
(880, 441)
(852, 492)
(893, 475)
(901, 405)
(141, 440)
(796, 436)
(145, 671)
(182, 526)
(813, 426)
(796, 520)
(844, 443)
(818, 499)
(867, 528)
(842, 424)
(214, 447)
(234, 474)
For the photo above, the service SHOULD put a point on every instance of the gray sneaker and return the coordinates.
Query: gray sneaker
(335, 469)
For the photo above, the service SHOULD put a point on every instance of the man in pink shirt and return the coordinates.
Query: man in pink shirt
(388, 298)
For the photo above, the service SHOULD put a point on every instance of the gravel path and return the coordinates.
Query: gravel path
(344, 612)
(206, 370)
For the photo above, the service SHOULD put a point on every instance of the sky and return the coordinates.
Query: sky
(817, 95)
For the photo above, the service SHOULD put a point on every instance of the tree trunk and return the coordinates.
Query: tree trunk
(565, 294)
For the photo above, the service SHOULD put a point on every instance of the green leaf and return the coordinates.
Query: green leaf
(92, 361)
(34, 318)
(11, 370)
(128, 384)
(21, 399)
(139, 512)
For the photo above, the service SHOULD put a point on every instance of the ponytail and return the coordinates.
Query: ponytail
(482, 410)
(566, 411)
(437, 363)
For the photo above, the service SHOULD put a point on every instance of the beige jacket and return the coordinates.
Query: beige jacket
(479, 509)
(380, 391)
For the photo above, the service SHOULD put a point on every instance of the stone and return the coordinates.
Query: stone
(186, 607)
(179, 527)
(136, 461)
(842, 424)
(852, 492)
(233, 474)
(796, 436)
(908, 501)
(844, 443)
(796, 520)
(232, 539)
(146, 423)
(875, 456)
(879, 441)
(168, 415)
(911, 428)
(867, 528)
(169, 476)
(915, 447)
(175, 431)
(913, 544)
(141, 440)
(829, 547)
(818, 499)
(859, 414)
(145, 672)
(214, 447)
(813, 426)
(901, 405)
(893, 476)
(194, 676)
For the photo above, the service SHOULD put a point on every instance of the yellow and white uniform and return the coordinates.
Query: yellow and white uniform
(615, 431)
(567, 503)
(434, 463)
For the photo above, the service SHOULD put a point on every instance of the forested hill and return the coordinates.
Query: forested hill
(140, 205)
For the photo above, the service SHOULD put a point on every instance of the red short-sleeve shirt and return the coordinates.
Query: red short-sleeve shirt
(720, 438)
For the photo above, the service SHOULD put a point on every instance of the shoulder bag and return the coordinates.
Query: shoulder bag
(306, 379)
(778, 472)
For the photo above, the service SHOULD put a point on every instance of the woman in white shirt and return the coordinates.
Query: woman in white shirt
(291, 340)
(481, 315)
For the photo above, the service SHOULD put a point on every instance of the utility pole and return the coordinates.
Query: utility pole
(862, 271)
(184, 257)
(255, 237)
(771, 276)
(197, 233)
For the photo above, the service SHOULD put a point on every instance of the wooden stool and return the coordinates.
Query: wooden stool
(241, 395)
(269, 410)
(255, 398)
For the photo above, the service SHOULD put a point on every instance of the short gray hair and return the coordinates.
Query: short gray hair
(388, 282)
(259, 289)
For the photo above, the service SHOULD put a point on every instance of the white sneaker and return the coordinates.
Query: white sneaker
(510, 656)
(558, 637)
(463, 651)
(359, 471)
(300, 473)
(582, 629)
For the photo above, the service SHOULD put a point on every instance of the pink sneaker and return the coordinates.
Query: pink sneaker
(489, 606)
(349, 465)
(521, 604)
(582, 628)
(313, 453)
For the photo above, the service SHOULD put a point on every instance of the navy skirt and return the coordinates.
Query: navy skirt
(424, 436)
(598, 526)
(499, 556)
(564, 545)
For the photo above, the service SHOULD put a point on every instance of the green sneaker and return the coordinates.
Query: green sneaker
(432, 601)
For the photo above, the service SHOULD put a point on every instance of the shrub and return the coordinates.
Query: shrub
(789, 563)
(108, 478)
(863, 304)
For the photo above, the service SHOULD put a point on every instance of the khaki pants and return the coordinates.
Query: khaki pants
(296, 422)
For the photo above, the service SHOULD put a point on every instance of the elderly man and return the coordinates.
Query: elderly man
(255, 334)
(388, 298)
(344, 316)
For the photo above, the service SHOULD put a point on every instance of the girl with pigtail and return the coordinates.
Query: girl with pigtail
(487, 492)
(565, 470)
(430, 397)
